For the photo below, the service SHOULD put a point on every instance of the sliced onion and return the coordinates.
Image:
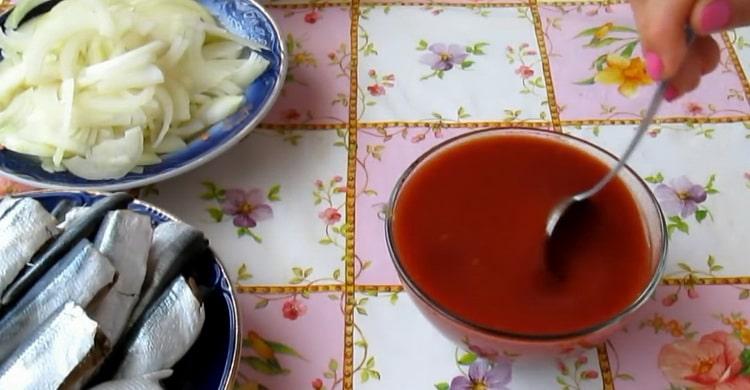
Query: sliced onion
(103, 87)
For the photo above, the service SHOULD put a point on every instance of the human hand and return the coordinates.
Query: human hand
(662, 24)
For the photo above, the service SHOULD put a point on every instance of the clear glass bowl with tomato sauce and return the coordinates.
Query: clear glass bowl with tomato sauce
(465, 230)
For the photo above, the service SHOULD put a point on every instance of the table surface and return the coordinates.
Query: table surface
(367, 93)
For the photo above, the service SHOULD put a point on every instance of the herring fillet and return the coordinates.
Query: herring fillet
(124, 238)
(25, 227)
(145, 382)
(168, 330)
(173, 246)
(77, 277)
(52, 352)
(81, 227)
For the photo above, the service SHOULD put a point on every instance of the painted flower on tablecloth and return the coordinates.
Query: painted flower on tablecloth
(484, 375)
(312, 16)
(527, 59)
(444, 57)
(293, 309)
(247, 207)
(525, 71)
(330, 216)
(628, 74)
(617, 65)
(331, 195)
(694, 108)
(670, 326)
(262, 355)
(376, 90)
(571, 373)
(681, 197)
(299, 57)
(291, 115)
(739, 326)
(380, 83)
(717, 361)
(317, 384)
(603, 30)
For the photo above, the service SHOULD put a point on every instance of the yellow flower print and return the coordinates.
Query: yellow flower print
(303, 58)
(627, 73)
(744, 334)
(602, 31)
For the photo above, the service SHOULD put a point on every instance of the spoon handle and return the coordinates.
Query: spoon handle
(642, 128)
(645, 123)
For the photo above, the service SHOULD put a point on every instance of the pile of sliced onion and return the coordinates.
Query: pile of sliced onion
(103, 87)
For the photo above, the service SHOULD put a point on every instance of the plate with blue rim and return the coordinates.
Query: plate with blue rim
(212, 362)
(247, 19)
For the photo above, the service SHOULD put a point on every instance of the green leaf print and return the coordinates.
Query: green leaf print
(273, 193)
(655, 178)
(467, 358)
(284, 349)
(677, 223)
(243, 274)
(216, 214)
(270, 367)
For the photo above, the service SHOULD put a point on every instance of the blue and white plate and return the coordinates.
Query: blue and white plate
(246, 19)
(212, 361)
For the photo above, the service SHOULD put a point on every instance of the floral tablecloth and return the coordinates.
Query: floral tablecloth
(374, 84)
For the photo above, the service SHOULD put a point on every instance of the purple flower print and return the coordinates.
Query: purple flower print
(444, 57)
(246, 207)
(483, 375)
(682, 197)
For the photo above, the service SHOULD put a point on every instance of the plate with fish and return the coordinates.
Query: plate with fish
(103, 291)
(138, 91)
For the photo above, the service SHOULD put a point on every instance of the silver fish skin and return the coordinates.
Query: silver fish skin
(26, 226)
(77, 277)
(7, 203)
(46, 359)
(47, 257)
(174, 245)
(145, 382)
(72, 215)
(124, 238)
(167, 332)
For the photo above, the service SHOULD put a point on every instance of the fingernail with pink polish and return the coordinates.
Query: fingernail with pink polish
(654, 66)
(671, 94)
(716, 15)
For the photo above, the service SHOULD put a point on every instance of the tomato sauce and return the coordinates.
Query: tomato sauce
(468, 228)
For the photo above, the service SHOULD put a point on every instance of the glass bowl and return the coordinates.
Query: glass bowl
(491, 342)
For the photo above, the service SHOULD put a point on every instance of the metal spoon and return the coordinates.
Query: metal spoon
(559, 211)
(562, 210)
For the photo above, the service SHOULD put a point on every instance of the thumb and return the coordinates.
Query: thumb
(709, 16)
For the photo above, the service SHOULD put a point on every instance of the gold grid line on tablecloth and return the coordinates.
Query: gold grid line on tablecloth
(546, 69)
(351, 194)
(737, 65)
(521, 123)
